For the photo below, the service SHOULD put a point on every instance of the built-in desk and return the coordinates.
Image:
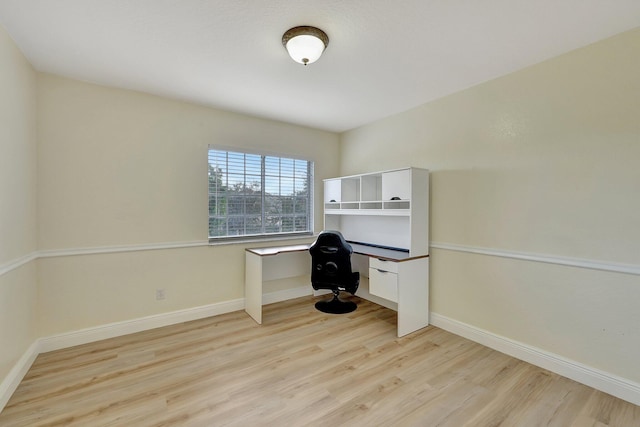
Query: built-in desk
(393, 275)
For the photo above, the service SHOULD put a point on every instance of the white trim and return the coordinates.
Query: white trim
(257, 151)
(84, 336)
(10, 383)
(525, 256)
(52, 253)
(550, 259)
(609, 383)
(272, 238)
(49, 253)
(116, 329)
(600, 380)
(17, 263)
(111, 330)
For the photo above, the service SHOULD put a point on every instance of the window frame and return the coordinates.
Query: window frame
(263, 194)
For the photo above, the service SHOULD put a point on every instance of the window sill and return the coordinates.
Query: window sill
(277, 238)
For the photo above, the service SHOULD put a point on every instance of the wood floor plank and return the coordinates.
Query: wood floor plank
(300, 367)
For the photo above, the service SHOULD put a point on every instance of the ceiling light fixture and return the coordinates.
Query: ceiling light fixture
(305, 44)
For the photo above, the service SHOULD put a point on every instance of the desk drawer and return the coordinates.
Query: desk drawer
(383, 265)
(383, 284)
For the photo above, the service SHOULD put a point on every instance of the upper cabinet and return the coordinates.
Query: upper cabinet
(381, 191)
(396, 185)
(352, 204)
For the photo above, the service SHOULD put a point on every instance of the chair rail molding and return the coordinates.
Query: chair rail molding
(53, 253)
(604, 381)
(525, 256)
(549, 259)
(17, 263)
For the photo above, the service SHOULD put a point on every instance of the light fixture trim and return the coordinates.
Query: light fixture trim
(307, 31)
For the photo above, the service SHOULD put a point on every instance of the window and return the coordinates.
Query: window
(255, 195)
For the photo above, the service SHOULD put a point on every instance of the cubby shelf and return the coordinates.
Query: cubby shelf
(382, 207)
(369, 212)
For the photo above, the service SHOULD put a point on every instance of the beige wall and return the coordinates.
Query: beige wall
(541, 161)
(123, 168)
(18, 296)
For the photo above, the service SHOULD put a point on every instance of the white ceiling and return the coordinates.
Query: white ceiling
(384, 56)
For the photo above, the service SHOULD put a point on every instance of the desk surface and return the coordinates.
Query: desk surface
(275, 250)
(372, 251)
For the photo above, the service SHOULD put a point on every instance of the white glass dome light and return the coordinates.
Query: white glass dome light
(305, 44)
(305, 49)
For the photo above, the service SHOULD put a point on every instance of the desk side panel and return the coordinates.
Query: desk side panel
(253, 286)
(413, 295)
(419, 212)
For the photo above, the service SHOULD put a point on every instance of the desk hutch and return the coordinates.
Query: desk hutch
(385, 217)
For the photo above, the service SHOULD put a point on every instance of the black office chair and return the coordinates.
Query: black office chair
(331, 269)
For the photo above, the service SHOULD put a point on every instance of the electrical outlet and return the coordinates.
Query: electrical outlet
(160, 294)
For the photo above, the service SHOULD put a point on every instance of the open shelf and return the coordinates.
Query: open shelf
(370, 212)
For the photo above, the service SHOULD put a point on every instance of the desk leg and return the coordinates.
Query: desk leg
(253, 286)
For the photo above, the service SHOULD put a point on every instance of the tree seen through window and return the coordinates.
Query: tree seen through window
(251, 194)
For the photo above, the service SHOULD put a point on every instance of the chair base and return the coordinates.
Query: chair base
(336, 306)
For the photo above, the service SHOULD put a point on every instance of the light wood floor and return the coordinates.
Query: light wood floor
(300, 368)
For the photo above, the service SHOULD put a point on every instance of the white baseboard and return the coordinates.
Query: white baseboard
(116, 329)
(608, 383)
(111, 330)
(600, 380)
(17, 373)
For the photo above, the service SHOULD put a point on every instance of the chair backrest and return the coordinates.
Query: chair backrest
(331, 262)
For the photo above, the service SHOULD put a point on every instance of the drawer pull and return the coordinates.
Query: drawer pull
(381, 271)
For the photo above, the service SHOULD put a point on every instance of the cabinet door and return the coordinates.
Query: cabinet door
(332, 190)
(396, 184)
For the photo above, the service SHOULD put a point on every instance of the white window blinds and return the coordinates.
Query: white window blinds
(258, 195)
